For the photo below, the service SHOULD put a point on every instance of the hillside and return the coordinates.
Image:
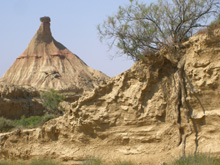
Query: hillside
(47, 64)
(136, 115)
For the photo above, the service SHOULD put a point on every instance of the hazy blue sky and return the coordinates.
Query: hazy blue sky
(73, 23)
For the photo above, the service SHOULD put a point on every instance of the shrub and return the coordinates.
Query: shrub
(6, 124)
(197, 159)
(51, 100)
(4, 163)
(93, 161)
(98, 161)
(33, 121)
(46, 118)
(43, 162)
(124, 163)
(30, 122)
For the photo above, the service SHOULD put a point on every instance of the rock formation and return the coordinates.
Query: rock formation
(46, 64)
(16, 101)
(134, 116)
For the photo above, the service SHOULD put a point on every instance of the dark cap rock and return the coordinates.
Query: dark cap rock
(45, 19)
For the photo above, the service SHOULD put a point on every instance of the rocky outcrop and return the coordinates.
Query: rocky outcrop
(16, 101)
(137, 115)
(47, 64)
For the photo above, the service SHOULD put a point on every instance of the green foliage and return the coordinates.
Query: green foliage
(46, 118)
(124, 163)
(33, 121)
(197, 159)
(43, 162)
(137, 26)
(30, 122)
(51, 100)
(93, 161)
(98, 161)
(5, 124)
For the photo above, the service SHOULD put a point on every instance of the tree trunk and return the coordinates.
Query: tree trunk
(182, 104)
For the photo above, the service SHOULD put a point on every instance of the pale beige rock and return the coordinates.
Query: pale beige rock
(133, 116)
(47, 64)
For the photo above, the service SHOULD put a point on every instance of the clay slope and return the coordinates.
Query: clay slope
(134, 116)
(46, 64)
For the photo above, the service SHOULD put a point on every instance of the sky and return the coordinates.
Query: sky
(73, 23)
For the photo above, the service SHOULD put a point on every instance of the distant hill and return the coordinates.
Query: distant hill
(47, 64)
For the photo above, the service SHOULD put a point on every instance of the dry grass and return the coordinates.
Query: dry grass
(33, 162)
(197, 159)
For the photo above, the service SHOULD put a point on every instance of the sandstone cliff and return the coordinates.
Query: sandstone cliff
(16, 101)
(47, 64)
(137, 115)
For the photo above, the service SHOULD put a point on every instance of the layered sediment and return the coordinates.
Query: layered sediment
(134, 115)
(47, 64)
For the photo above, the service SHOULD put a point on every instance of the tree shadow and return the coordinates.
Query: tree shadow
(195, 122)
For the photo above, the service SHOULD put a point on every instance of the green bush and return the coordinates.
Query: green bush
(197, 159)
(4, 163)
(124, 163)
(43, 162)
(51, 100)
(98, 161)
(46, 118)
(6, 125)
(30, 122)
(93, 161)
(33, 121)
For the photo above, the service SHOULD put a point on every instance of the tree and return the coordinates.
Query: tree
(138, 27)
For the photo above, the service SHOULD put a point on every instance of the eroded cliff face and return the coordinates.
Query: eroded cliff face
(134, 116)
(16, 101)
(47, 64)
